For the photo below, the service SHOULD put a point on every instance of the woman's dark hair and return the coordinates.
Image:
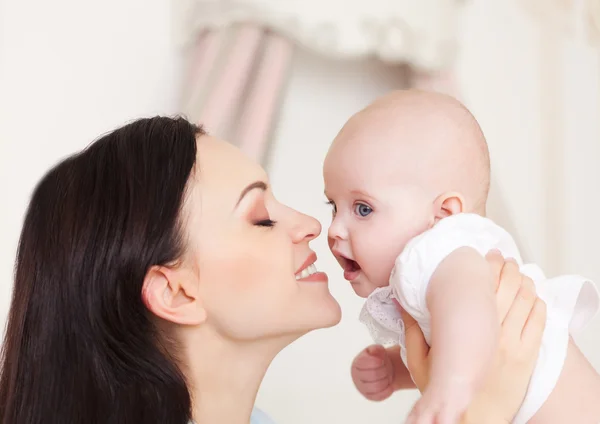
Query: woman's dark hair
(80, 345)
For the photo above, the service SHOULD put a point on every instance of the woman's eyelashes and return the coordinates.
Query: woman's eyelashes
(259, 214)
(265, 223)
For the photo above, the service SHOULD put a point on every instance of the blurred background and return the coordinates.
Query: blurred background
(279, 78)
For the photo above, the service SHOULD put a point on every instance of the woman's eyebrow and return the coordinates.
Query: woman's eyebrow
(261, 185)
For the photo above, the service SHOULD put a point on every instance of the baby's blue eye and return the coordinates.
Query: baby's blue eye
(362, 210)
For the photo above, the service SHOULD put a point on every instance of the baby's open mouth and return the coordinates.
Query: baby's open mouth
(351, 269)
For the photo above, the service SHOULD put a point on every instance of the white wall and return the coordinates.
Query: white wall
(69, 71)
(72, 70)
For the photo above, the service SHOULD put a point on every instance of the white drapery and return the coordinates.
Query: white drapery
(569, 37)
(241, 51)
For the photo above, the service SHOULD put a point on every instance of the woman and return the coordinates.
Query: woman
(156, 279)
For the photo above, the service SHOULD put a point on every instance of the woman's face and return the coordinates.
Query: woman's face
(251, 252)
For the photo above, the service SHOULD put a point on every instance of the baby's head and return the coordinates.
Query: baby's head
(408, 160)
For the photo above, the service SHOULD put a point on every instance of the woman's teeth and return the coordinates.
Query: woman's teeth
(306, 272)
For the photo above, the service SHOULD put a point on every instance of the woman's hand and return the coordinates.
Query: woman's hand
(522, 316)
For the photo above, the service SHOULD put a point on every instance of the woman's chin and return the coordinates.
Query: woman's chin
(322, 313)
(336, 313)
(330, 314)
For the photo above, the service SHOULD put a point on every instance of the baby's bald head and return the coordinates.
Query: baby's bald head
(420, 138)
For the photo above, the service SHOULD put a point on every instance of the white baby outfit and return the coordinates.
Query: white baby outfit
(571, 300)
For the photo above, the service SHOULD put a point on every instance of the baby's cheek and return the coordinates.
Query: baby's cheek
(378, 259)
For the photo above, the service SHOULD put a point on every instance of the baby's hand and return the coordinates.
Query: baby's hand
(373, 373)
(441, 405)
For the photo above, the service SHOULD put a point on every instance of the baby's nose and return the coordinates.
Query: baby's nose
(337, 231)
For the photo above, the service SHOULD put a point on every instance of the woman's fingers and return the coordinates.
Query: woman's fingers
(519, 312)
(510, 284)
(417, 349)
(496, 262)
(533, 330)
(528, 284)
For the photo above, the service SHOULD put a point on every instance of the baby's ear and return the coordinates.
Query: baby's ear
(448, 204)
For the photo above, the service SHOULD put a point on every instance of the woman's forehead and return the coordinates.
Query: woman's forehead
(222, 169)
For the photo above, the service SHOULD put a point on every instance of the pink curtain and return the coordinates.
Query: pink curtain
(235, 83)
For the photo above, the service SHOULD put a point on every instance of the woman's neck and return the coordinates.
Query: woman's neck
(224, 378)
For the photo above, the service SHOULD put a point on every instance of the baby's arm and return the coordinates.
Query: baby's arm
(464, 331)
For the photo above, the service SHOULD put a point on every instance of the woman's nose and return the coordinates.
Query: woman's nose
(306, 228)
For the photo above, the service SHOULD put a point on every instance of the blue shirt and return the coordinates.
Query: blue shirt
(259, 417)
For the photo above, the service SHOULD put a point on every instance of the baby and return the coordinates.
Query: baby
(408, 180)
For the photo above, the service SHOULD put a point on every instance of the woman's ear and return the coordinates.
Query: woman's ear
(448, 204)
(173, 296)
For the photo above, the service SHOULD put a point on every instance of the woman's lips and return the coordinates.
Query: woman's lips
(317, 277)
(308, 272)
(311, 259)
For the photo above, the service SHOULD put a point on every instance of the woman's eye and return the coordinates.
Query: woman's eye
(362, 210)
(265, 223)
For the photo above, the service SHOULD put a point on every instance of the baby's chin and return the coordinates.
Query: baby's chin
(363, 287)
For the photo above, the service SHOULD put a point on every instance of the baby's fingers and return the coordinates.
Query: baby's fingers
(370, 375)
(375, 389)
(371, 357)
(380, 395)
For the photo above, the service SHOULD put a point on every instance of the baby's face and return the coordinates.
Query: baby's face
(386, 175)
(374, 213)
